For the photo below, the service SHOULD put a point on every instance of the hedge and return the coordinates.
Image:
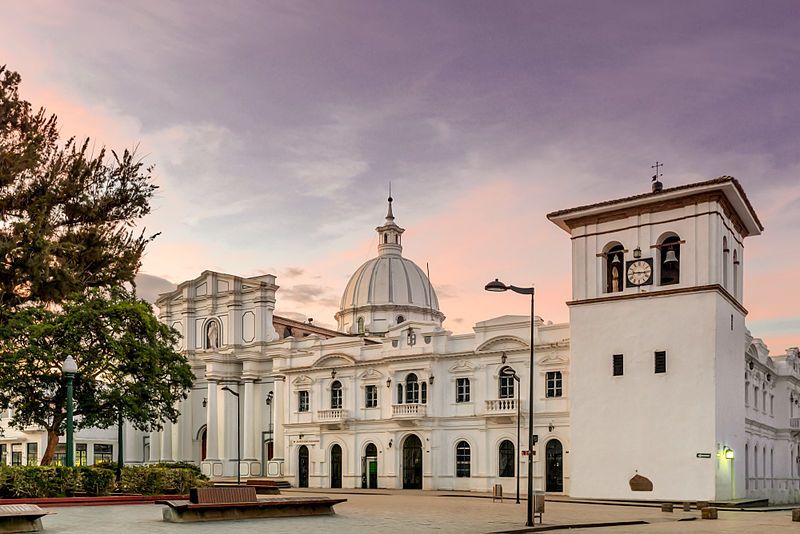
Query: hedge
(58, 481)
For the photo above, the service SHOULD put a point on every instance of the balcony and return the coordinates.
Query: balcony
(409, 411)
(333, 417)
(503, 410)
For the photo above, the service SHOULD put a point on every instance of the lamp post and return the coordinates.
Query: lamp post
(497, 286)
(69, 368)
(508, 371)
(238, 435)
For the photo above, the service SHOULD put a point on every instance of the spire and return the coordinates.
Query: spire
(389, 214)
(389, 234)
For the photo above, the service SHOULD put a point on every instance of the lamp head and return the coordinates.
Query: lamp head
(69, 367)
(496, 286)
(269, 397)
(728, 453)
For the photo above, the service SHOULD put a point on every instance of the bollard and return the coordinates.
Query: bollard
(687, 507)
(796, 514)
(709, 512)
(666, 506)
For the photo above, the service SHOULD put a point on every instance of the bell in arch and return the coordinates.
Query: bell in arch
(670, 257)
(616, 261)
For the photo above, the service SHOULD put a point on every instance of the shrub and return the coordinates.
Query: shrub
(155, 480)
(41, 481)
(96, 480)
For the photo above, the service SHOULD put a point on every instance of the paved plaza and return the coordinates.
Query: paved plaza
(409, 511)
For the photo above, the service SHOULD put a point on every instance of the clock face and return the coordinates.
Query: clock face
(640, 272)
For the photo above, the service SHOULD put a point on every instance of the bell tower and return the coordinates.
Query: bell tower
(657, 341)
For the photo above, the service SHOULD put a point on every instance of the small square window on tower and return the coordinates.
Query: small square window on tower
(661, 362)
(617, 365)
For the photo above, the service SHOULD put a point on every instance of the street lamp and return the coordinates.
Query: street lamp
(508, 371)
(69, 368)
(238, 435)
(497, 286)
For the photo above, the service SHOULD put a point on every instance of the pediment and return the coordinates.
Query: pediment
(463, 366)
(370, 374)
(503, 343)
(553, 359)
(334, 360)
(303, 380)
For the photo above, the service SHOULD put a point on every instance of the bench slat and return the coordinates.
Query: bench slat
(223, 495)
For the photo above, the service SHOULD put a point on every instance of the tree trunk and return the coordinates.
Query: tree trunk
(49, 451)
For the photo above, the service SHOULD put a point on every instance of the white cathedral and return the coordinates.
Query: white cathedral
(654, 390)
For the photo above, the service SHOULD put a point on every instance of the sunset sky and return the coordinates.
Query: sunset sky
(275, 128)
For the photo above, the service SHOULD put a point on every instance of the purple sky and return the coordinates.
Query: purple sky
(276, 126)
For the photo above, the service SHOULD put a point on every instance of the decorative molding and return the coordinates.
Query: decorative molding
(666, 292)
(503, 343)
(334, 360)
(462, 366)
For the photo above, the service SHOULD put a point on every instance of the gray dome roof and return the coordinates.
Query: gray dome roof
(389, 280)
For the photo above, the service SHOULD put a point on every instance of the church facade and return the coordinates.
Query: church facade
(654, 390)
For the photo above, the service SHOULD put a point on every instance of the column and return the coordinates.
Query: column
(166, 442)
(212, 433)
(250, 464)
(228, 427)
(278, 406)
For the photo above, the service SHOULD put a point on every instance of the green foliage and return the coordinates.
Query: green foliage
(97, 480)
(126, 363)
(67, 213)
(38, 481)
(153, 480)
(52, 481)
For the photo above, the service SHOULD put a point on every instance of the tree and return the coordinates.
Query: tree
(126, 364)
(67, 216)
(68, 245)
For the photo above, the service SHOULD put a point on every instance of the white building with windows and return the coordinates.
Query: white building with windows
(640, 396)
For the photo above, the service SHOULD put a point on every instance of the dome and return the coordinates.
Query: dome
(388, 289)
(389, 280)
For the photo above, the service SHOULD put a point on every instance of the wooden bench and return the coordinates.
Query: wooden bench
(241, 502)
(21, 518)
(264, 487)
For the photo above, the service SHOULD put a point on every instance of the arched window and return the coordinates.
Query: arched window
(336, 395)
(399, 393)
(361, 329)
(736, 274)
(400, 319)
(385, 238)
(506, 459)
(670, 260)
(462, 459)
(726, 253)
(506, 383)
(412, 389)
(614, 269)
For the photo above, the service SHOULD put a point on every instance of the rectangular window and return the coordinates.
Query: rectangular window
(16, 454)
(661, 361)
(617, 367)
(506, 387)
(81, 454)
(103, 453)
(764, 402)
(33, 453)
(3, 453)
(60, 454)
(553, 383)
(302, 401)
(771, 404)
(462, 389)
(371, 393)
(755, 398)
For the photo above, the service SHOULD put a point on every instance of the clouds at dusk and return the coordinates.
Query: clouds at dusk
(275, 128)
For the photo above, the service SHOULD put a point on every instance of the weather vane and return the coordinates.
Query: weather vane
(657, 185)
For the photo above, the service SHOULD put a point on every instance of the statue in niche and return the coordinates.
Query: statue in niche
(212, 335)
(615, 279)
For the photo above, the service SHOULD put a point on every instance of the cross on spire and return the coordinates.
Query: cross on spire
(656, 176)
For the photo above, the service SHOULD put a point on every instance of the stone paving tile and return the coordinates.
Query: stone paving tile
(416, 512)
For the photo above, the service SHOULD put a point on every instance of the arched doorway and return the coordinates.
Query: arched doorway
(412, 463)
(203, 438)
(302, 467)
(554, 474)
(336, 466)
(369, 467)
